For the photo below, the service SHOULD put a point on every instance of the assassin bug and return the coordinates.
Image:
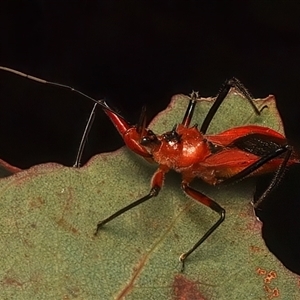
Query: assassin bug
(218, 159)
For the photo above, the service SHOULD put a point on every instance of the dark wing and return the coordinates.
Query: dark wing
(258, 144)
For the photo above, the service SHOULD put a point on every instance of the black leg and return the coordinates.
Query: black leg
(196, 195)
(287, 149)
(157, 182)
(153, 193)
(84, 138)
(190, 109)
(259, 163)
(233, 82)
(276, 179)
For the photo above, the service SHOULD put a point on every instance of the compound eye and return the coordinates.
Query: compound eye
(151, 138)
(145, 140)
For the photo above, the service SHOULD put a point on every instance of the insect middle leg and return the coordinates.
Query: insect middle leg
(198, 196)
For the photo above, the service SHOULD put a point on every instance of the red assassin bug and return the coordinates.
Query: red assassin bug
(218, 159)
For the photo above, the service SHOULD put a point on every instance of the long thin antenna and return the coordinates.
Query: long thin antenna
(87, 129)
(51, 83)
(101, 102)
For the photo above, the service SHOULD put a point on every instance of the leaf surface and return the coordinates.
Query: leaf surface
(49, 214)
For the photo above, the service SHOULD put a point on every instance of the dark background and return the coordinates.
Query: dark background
(137, 53)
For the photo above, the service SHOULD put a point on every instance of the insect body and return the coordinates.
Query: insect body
(218, 159)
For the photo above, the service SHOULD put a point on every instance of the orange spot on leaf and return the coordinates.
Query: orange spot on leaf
(185, 289)
(273, 292)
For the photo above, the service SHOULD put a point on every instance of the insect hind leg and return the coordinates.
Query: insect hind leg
(199, 197)
(285, 150)
(276, 178)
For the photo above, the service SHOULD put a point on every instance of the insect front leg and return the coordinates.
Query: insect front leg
(156, 184)
(84, 137)
(196, 195)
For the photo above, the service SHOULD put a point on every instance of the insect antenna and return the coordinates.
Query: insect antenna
(101, 102)
(87, 129)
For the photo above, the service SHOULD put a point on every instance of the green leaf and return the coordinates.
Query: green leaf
(49, 214)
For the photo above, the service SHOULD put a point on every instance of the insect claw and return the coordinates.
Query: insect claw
(96, 232)
(182, 258)
(99, 225)
(194, 95)
(261, 109)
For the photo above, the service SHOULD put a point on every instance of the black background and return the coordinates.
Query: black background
(137, 53)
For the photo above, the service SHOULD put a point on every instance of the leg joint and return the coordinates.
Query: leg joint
(154, 191)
